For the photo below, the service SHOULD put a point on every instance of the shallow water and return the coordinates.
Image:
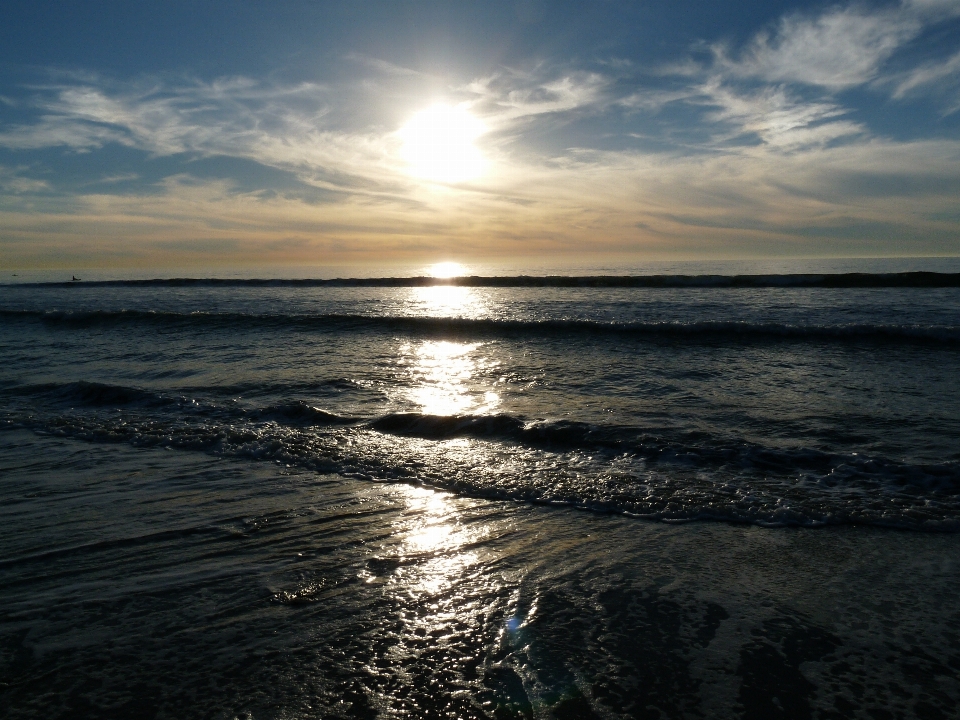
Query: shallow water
(156, 583)
(286, 501)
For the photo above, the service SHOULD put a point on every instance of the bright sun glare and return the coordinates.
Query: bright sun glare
(438, 144)
(446, 270)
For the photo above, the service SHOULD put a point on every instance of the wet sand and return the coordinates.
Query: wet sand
(154, 583)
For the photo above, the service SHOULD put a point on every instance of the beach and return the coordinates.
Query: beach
(210, 588)
(501, 360)
(279, 500)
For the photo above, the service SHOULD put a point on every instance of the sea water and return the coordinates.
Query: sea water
(499, 498)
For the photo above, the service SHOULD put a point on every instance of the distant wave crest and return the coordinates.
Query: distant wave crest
(918, 279)
(711, 330)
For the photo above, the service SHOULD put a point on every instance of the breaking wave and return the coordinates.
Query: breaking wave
(663, 474)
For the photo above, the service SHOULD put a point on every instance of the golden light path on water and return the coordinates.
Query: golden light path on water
(443, 375)
(446, 301)
(433, 566)
(439, 539)
(448, 377)
(444, 378)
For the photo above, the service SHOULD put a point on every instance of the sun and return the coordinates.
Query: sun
(438, 144)
(446, 270)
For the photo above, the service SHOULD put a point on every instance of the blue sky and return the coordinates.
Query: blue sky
(243, 133)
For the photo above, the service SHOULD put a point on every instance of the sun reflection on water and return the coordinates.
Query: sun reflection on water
(434, 570)
(437, 538)
(447, 301)
(445, 378)
(433, 509)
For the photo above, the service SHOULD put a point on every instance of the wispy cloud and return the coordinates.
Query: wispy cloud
(119, 177)
(159, 118)
(12, 181)
(776, 118)
(279, 126)
(933, 9)
(512, 95)
(783, 86)
(384, 67)
(655, 99)
(841, 48)
(939, 78)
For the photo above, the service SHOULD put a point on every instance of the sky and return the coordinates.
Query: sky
(250, 133)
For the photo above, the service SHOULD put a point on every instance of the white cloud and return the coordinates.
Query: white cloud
(278, 126)
(512, 95)
(933, 76)
(936, 9)
(654, 100)
(776, 118)
(57, 131)
(163, 120)
(12, 181)
(384, 67)
(286, 127)
(839, 49)
(802, 66)
(118, 178)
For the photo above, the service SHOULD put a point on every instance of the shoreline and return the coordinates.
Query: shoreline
(394, 597)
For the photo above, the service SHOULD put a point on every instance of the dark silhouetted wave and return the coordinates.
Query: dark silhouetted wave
(198, 424)
(302, 413)
(94, 394)
(654, 471)
(917, 279)
(691, 449)
(711, 330)
(671, 476)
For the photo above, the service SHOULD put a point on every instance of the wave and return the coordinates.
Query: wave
(654, 472)
(301, 413)
(688, 449)
(672, 479)
(560, 435)
(917, 279)
(94, 394)
(713, 331)
(195, 423)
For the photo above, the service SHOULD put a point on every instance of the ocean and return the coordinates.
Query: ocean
(668, 491)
